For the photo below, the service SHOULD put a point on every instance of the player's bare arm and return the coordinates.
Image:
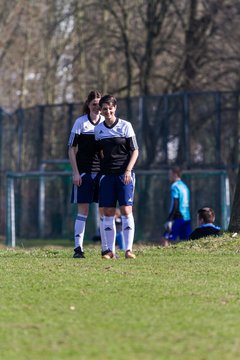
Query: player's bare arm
(77, 180)
(133, 159)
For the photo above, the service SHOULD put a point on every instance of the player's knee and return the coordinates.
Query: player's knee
(126, 210)
(109, 211)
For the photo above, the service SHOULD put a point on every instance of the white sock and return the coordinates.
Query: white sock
(79, 230)
(102, 234)
(128, 227)
(109, 229)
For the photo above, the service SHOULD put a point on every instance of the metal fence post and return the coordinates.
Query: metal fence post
(20, 117)
(10, 213)
(41, 203)
(186, 132)
(166, 127)
(225, 200)
(218, 128)
(140, 119)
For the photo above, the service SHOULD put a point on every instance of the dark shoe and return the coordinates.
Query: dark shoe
(78, 253)
(129, 255)
(107, 254)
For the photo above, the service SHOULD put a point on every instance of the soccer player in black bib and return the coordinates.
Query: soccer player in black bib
(119, 150)
(85, 161)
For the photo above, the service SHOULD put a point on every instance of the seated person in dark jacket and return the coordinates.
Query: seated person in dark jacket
(206, 218)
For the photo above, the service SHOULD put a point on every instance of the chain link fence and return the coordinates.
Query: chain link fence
(193, 130)
(44, 211)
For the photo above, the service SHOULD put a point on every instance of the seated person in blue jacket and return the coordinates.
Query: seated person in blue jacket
(206, 227)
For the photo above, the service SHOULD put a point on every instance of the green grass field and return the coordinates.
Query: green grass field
(180, 302)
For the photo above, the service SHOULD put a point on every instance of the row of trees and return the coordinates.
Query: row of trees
(56, 51)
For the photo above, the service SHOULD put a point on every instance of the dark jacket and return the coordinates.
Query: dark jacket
(204, 231)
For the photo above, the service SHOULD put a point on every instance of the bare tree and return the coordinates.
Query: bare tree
(128, 47)
(154, 16)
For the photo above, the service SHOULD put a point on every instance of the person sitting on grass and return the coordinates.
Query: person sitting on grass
(206, 227)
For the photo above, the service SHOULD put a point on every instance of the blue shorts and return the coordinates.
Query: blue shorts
(180, 228)
(88, 192)
(112, 190)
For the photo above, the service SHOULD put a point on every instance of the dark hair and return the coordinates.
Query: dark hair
(108, 99)
(206, 214)
(176, 170)
(94, 94)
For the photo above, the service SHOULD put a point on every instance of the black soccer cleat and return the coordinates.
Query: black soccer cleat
(78, 253)
(107, 254)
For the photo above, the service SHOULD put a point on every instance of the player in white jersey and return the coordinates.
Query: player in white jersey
(85, 161)
(119, 149)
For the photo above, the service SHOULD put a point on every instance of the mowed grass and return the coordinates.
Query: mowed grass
(180, 302)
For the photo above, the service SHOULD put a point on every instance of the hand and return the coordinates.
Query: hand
(168, 226)
(127, 177)
(77, 180)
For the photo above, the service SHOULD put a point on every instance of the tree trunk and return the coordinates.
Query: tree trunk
(234, 225)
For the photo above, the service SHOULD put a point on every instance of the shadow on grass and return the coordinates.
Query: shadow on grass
(40, 243)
